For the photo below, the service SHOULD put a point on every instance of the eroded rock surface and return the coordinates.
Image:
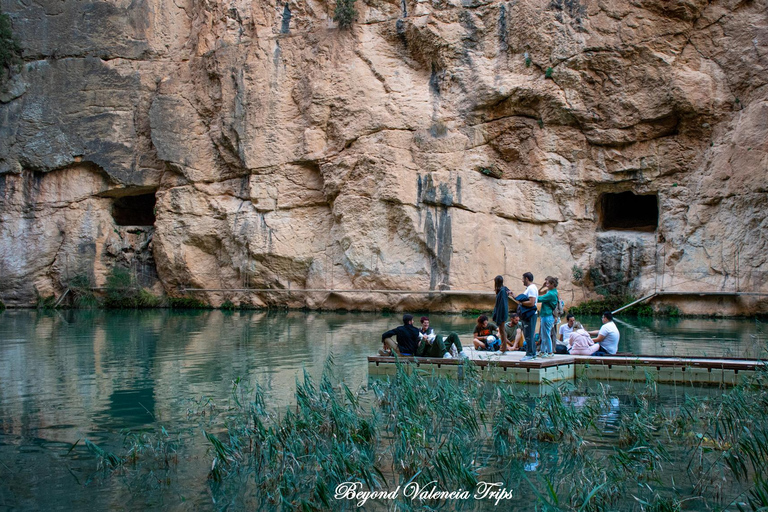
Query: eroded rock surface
(433, 146)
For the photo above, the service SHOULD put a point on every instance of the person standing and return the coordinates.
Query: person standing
(608, 336)
(407, 337)
(528, 315)
(548, 304)
(501, 309)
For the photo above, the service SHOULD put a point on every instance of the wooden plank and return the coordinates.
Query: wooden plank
(656, 362)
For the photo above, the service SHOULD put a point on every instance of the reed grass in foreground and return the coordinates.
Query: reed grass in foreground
(569, 450)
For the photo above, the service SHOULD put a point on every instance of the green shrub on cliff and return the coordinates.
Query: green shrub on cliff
(10, 49)
(80, 288)
(123, 293)
(2, 306)
(345, 14)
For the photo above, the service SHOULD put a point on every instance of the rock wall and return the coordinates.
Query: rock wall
(434, 145)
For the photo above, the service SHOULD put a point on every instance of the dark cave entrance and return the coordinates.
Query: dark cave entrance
(136, 210)
(628, 211)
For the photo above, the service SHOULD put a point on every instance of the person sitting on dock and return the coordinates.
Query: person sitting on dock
(433, 345)
(407, 337)
(485, 334)
(580, 343)
(565, 334)
(608, 336)
(514, 332)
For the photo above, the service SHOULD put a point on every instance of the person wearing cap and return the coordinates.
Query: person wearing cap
(407, 339)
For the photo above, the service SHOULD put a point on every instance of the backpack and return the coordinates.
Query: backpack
(559, 310)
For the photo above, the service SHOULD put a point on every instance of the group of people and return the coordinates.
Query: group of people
(411, 341)
(535, 305)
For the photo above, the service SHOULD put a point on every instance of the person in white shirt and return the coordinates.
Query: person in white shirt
(608, 336)
(565, 334)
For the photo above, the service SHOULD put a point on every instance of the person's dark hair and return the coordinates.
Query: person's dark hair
(498, 282)
(553, 280)
(515, 315)
(421, 320)
(407, 319)
(568, 316)
(528, 276)
(481, 319)
(608, 315)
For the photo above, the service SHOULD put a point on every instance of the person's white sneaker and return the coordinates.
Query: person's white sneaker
(384, 353)
(447, 355)
(528, 358)
(463, 354)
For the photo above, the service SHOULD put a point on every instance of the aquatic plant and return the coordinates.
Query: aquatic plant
(415, 427)
(106, 459)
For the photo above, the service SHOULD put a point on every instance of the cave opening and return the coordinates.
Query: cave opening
(628, 211)
(136, 210)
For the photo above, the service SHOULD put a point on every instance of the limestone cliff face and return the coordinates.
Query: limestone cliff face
(252, 144)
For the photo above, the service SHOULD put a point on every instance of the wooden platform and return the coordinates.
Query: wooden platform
(508, 367)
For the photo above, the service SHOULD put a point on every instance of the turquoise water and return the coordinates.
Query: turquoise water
(70, 375)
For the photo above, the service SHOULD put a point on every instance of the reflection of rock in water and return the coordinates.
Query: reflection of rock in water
(129, 408)
(531, 461)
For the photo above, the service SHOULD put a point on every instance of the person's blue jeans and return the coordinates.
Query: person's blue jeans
(545, 333)
(529, 328)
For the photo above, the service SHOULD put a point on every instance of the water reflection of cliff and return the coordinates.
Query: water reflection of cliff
(87, 372)
(84, 372)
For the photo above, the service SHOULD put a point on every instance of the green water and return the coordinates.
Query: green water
(70, 375)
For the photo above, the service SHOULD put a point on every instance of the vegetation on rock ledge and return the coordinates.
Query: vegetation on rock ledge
(10, 49)
(345, 14)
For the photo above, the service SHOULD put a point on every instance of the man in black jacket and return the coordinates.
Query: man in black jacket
(407, 339)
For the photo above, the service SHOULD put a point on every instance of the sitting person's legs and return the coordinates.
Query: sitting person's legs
(434, 349)
(452, 340)
(390, 348)
(588, 351)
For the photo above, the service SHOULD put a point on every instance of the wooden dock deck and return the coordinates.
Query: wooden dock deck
(508, 367)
